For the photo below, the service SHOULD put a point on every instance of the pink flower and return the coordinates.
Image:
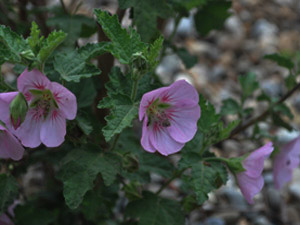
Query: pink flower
(10, 147)
(251, 181)
(285, 162)
(50, 104)
(170, 117)
(4, 219)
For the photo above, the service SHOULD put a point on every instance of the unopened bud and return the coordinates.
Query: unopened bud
(130, 163)
(18, 110)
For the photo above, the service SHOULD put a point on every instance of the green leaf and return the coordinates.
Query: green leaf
(209, 117)
(212, 16)
(188, 59)
(281, 60)
(85, 124)
(121, 116)
(155, 211)
(230, 106)
(154, 52)
(283, 109)
(54, 39)
(34, 38)
(72, 67)
(248, 83)
(8, 191)
(278, 121)
(156, 164)
(290, 81)
(12, 46)
(81, 168)
(207, 177)
(35, 215)
(85, 92)
(75, 26)
(92, 50)
(124, 45)
(189, 4)
(145, 14)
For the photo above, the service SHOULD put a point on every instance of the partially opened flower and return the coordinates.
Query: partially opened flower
(4, 219)
(10, 147)
(170, 117)
(49, 105)
(285, 162)
(251, 181)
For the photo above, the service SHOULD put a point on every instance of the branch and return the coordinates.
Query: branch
(265, 113)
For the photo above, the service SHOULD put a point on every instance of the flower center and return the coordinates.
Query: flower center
(157, 114)
(43, 101)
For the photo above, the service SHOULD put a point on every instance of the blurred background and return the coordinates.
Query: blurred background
(214, 63)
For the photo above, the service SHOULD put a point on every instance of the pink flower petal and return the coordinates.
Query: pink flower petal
(5, 99)
(285, 162)
(5, 220)
(29, 131)
(184, 123)
(65, 99)
(32, 80)
(180, 91)
(145, 141)
(162, 141)
(53, 129)
(10, 147)
(148, 98)
(254, 163)
(249, 186)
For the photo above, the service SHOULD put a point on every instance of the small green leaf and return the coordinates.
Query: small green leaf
(248, 83)
(278, 121)
(155, 211)
(75, 26)
(8, 191)
(212, 16)
(12, 46)
(34, 38)
(90, 51)
(283, 109)
(290, 81)
(230, 106)
(209, 117)
(281, 60)
(80, 169)
(84, 124)
(207, 177)
(54, 39)
(124, 45)
(188, 59)
(145, 15)
(72, 67)
(121, 116)
(154, 52)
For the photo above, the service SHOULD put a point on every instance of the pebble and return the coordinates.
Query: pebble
(214, 221)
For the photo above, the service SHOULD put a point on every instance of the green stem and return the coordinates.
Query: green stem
(218, 159)
(134, 90)
(115, 142)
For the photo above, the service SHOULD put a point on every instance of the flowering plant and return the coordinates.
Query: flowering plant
(92, 122)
